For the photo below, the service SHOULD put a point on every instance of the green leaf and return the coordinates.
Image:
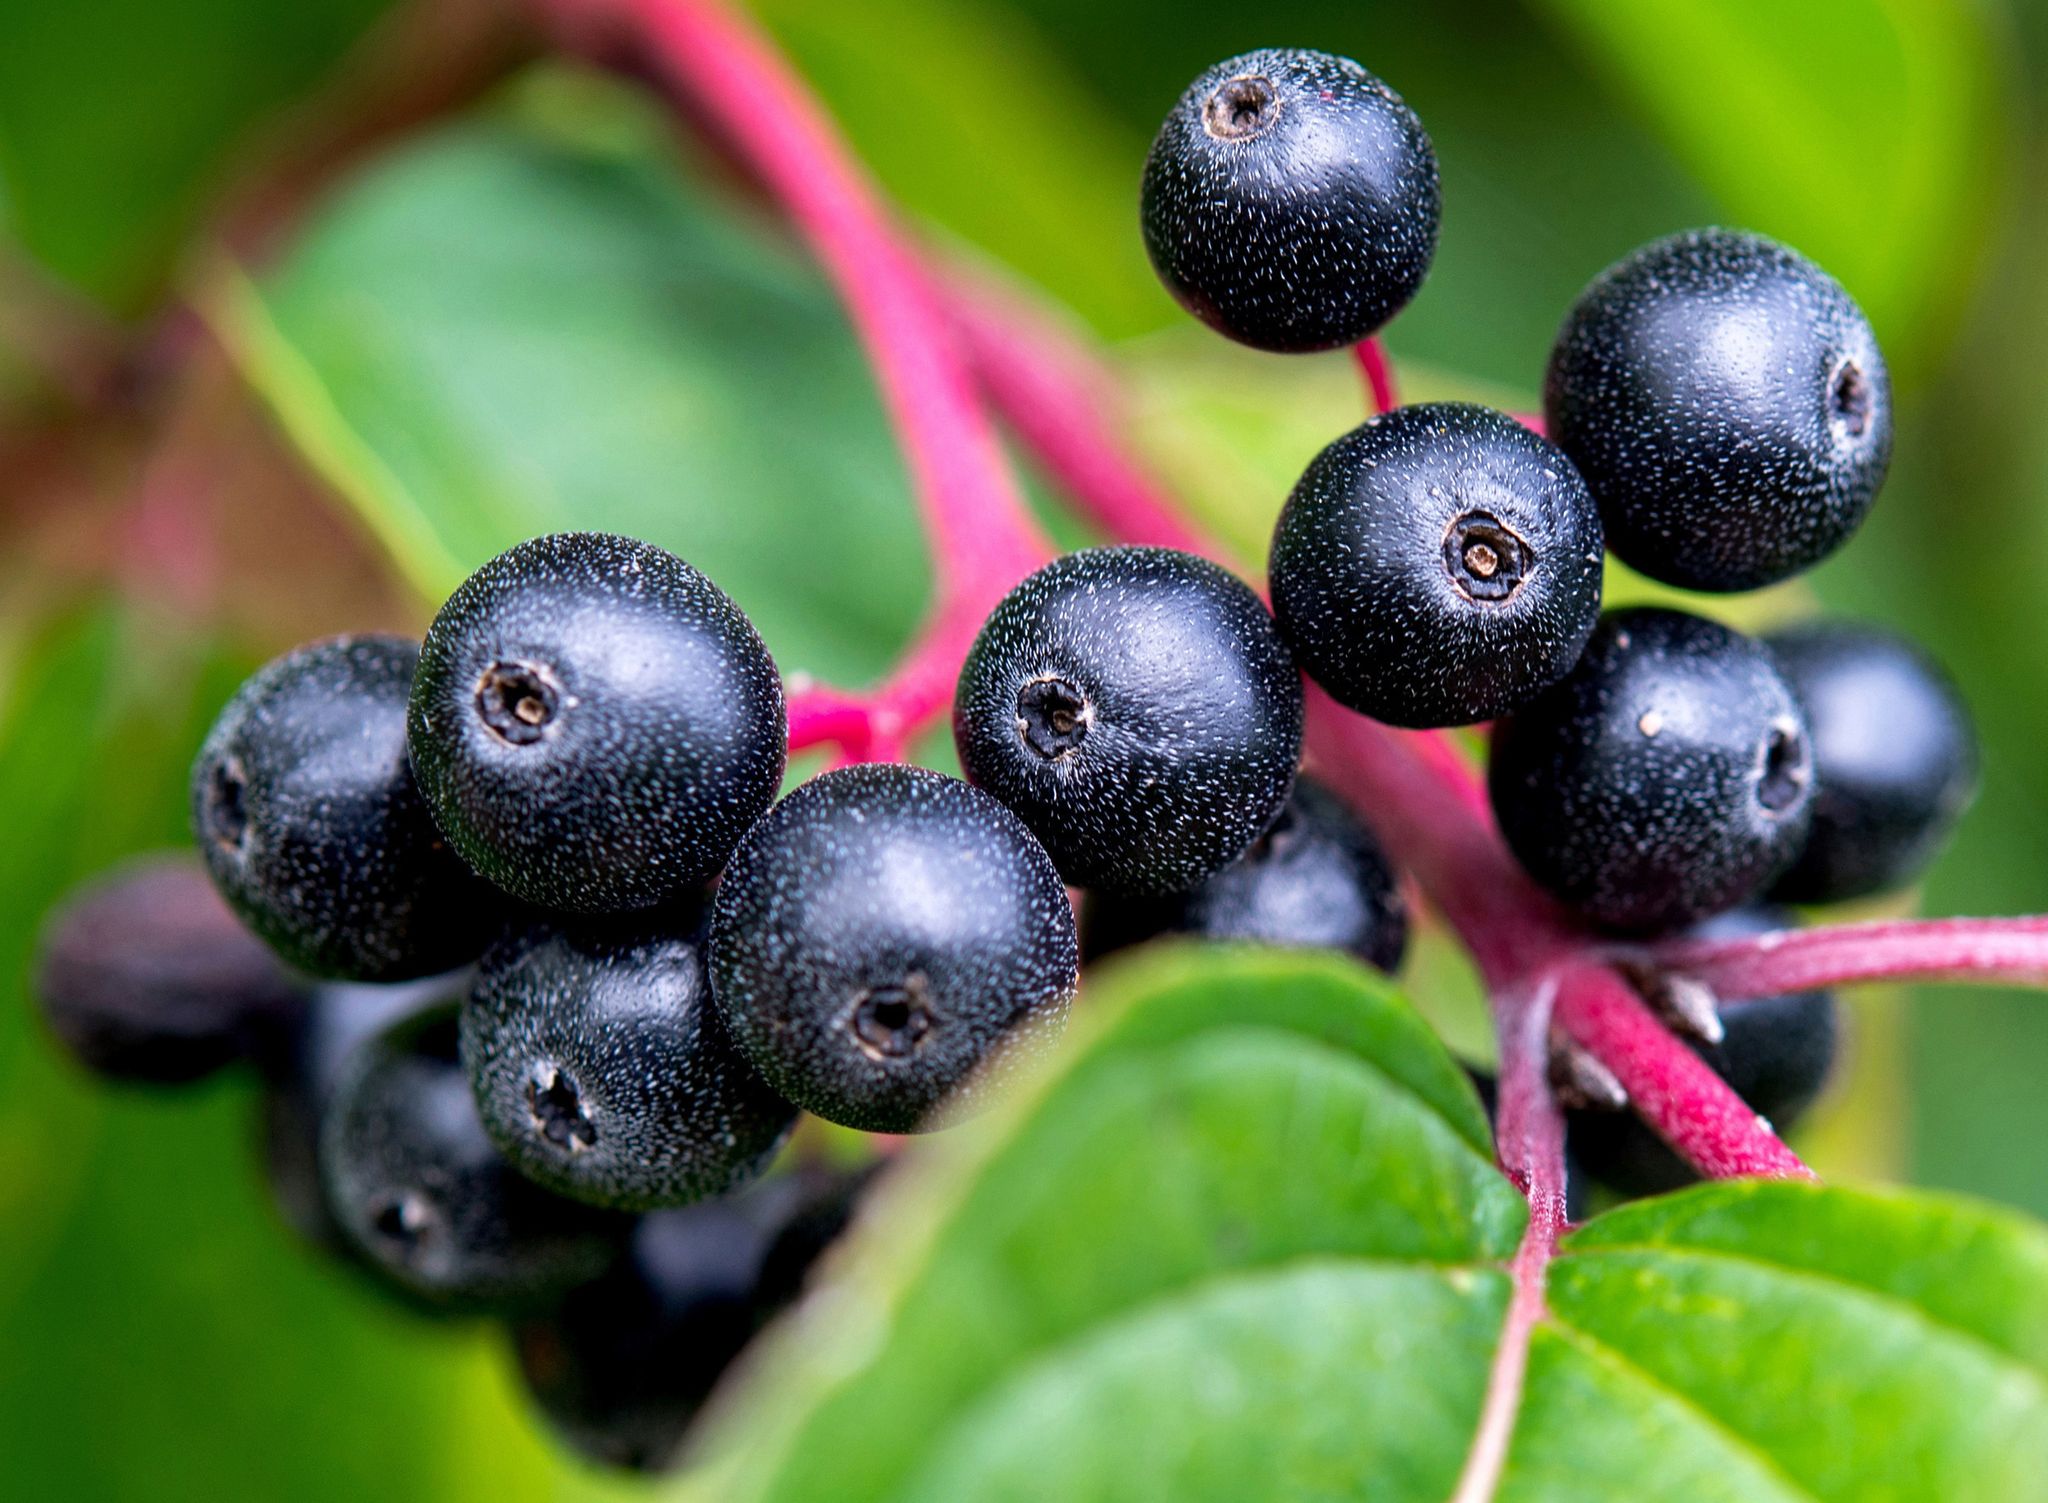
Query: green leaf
(508, 329)
(1246, 1242)
(1868, 133)
(115, 115)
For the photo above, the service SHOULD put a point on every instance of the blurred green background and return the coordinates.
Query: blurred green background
(307, 307)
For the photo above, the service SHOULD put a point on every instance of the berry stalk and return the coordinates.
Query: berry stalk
(1995, 951)
(983, 537)
(1039, 377)
(1371, 356)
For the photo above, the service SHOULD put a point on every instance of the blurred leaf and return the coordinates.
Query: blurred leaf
(1244, 1243)
(500, 332)
(968, 115)
(1865, 132)
(114, 115)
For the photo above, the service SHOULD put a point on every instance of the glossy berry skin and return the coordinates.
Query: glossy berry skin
(1667, 778)
(884, 939)
(622, 1366)
(1290, 200)
(423, 1197)
(1437, 565)
(1316, 880)
(1726, 401)
(310, 824)
(1894, 759)
(603, 1070)
(144, 974)
(1138, 710)
(302, 1061)
(1777, 1054)
(595, 723)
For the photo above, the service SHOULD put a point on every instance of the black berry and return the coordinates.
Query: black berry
(621, 1367)
(1894, 759)
(595, 723)
(1290, 200)
(881, 937)
(1668, 777)
(1436, 566)
(1138, 710)
(1727, 404)
(311, 826)
(301, 1064)
(417, 1188)
(1316, 880)
(145, 974)
(1777, 1053)
(603, 1071)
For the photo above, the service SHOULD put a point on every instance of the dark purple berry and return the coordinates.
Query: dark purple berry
(306, 813)
(1138, 710)
(1894, 759)
(1291, 201)
(603, 1070)
(303, 1062)
(596, 723)
(1438, 565)
(623, 1365)
(145, 974)
(1727, 404)
(1667, 778)
(1316, 880)
(886, 937)
(417, 1188)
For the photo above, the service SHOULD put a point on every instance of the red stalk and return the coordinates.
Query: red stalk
(983, 537)
(1371, 356)
(1996, 951)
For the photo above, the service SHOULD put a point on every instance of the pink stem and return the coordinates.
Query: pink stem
(1423, 801)
(1530, 1128)
(1669, 1086)
(1056, 399)
(1532, 421)
(2012, 951)
(1429, 809)
(820, 716)
(1378, 373)
(983, 537)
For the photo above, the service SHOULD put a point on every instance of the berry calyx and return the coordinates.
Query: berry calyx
(1728, 406)
(595, 723)
(1290, 200)
(1137, 708)
(883, 939)
(1438, 565)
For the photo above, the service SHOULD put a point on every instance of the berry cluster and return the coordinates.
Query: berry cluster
(1717, 413)
(550, 964)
